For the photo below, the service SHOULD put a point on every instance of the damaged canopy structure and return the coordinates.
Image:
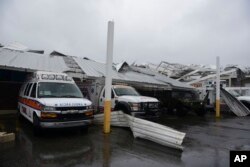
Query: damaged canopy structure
(23, 60)
(194, 74)
(27, 61)
(180, 72)
(130, 74)
(18, 62)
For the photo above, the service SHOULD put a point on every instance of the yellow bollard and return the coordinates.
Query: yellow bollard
(217, 108)
(107, 112)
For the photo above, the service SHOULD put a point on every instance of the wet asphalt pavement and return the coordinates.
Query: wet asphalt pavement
(207, 143)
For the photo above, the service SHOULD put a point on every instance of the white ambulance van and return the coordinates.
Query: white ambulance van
(52, 100)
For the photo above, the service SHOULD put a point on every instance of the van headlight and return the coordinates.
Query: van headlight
(49, 108)
(135, 106)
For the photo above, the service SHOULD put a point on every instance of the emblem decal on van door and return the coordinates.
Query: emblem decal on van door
(69, 104)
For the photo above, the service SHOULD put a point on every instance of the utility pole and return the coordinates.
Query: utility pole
(108, 79)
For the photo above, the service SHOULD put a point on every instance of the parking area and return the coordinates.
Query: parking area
(207, 143)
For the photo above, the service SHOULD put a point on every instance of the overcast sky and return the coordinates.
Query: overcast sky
(177, 31)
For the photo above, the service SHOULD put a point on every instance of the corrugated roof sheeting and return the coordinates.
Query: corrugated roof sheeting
(31, 61)
(135, 76)
(22, 60)
(96, 69)
(162, 78)
(174, 83)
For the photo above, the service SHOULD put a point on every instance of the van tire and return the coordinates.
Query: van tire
(36, 125)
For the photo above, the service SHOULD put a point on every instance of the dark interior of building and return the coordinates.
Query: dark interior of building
(10, 84)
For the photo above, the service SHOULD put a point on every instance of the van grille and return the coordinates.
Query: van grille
(76, 116)
(70, 108)
(149, 105)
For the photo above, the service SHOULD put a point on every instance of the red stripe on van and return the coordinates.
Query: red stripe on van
(31, 103)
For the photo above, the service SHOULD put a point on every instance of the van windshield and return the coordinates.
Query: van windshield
(58, 90)
(126, 92)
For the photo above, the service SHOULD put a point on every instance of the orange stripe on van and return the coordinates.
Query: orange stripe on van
(31, 103)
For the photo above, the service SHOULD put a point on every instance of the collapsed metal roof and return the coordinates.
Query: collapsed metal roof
(162, 78)
(180, 72)
(28, 61)
(83, 68)
(135, 74)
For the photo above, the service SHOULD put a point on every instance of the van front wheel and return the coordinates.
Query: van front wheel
(123, 108)
(37, 127)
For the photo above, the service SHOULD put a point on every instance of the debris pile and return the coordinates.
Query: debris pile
(145, 129)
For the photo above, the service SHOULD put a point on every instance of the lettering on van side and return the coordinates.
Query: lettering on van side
(69, 104)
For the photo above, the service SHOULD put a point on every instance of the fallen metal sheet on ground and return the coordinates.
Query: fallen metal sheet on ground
(234, 104)
(145, 129)
(117, 119)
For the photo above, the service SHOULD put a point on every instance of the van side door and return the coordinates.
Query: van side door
(24, 99)
(29, 108)
(32, 96)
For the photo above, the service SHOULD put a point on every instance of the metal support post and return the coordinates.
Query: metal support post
(108, 79)
(217, 87)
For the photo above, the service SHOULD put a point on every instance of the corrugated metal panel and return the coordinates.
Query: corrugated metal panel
(96, 69)
(22, 60)
(139, 77)
(173, 82)
(31, 61)
(234, 104)
(161, 78)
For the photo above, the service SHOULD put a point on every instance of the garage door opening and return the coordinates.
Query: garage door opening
(10, 84)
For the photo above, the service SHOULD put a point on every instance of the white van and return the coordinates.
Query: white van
(52, 100)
